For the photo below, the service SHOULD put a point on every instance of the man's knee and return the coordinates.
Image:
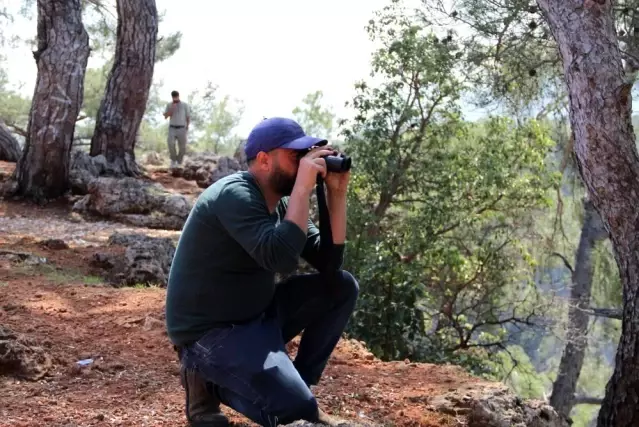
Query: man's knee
(349, 286)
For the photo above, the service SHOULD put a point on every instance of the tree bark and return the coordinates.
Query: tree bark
(600, 115)
(127, 91)
(9, 148)
(564, 387)
(63, 51)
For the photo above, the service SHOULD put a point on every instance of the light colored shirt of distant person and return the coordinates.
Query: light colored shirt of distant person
(179, 115)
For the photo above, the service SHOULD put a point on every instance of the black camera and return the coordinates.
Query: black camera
(340, 163)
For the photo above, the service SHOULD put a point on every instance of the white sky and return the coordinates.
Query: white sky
(268, 53)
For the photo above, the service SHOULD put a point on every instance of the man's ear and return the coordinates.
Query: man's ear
(263, 161)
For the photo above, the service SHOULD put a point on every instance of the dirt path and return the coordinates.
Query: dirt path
(64, 306)
(133, 380)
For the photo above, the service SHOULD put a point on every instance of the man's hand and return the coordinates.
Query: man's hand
(337, 183)
(169, 111)
(337, 187)
(298, 205)
(311, 165)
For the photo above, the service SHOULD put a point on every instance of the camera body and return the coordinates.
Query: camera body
(340, 163)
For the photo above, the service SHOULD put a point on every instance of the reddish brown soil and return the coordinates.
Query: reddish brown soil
(134, 378)
(178, 185)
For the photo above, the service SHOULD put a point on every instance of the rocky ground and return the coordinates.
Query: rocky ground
(77, 348)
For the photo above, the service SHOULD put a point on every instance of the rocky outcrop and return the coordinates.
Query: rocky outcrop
(8, 185)
(21, 357)
(84, 169)
(152, 158)
(54, 244)
(342, 424)
(205, 168)
(10, 150)
(135, 201)
(240, 156)
(146, 260)
(8, 188)
(21, 257)
(494, 405)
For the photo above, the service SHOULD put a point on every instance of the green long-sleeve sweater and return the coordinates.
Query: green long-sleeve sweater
(227, 256)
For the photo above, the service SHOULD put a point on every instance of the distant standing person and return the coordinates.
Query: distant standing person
(180, 118)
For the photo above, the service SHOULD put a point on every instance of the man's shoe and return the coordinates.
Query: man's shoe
(202, 403)
(328, 420)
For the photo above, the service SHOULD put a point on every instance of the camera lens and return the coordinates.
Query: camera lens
(338, 164)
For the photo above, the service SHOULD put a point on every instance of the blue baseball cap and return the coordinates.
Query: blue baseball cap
(278, 132)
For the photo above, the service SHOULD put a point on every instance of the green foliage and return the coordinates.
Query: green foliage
(101, 23)
(95, 82)
(167, 46)
(451, 223)
(511, 57)
(516, 369)
(438, 206)
(14, 109)
(214, 120)
(315, 119)
(512, 62)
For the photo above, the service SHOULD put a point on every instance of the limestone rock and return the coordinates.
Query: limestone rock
(22, 358)
(206, 168)
(54, 244)
(136, 202)
(84, 169)
(146, 260)
(344, 424)
(152, 158)
(21, 257)
(240, 156)
(10, 150)
(8, 188)
(496, 406)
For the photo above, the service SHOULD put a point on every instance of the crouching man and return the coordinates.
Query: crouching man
(226, 315)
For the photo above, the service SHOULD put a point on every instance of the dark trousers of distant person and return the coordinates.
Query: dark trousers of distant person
(248, 362)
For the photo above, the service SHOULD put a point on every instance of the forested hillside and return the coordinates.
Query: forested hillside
(491, 241)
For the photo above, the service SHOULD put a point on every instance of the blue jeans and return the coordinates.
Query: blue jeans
(248, 362)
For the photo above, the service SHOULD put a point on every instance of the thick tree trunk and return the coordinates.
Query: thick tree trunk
(128, 87)
(600, 114)
(9, 148)
(564, 387)
(63, 51)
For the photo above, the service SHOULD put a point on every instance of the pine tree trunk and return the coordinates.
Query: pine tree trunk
(63, 51)
(9, 148)
(572, 359)
(127, 90)
(600, 115)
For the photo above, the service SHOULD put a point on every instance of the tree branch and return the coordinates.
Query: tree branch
(566, 262)
(17, 130)
(587, 400)
(610, 313)
(483, 209)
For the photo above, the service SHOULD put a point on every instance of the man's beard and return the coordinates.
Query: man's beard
(282, 183)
